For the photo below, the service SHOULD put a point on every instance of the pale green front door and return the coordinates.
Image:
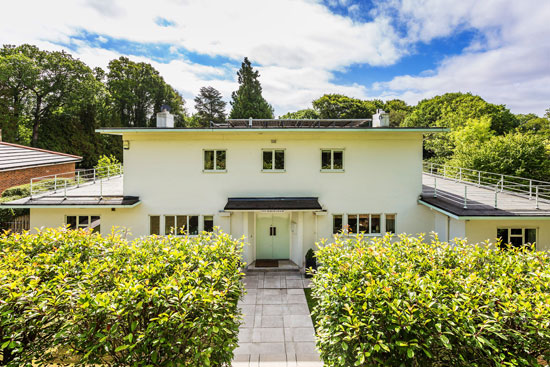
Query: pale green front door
(272, 236)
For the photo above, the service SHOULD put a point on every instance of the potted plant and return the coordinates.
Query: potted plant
(311, 263)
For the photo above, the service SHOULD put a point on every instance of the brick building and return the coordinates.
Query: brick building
(19, 163)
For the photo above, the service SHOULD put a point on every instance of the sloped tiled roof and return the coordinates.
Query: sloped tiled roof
(15, 156)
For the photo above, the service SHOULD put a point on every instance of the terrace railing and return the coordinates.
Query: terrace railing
(62, 182)
(481, 188)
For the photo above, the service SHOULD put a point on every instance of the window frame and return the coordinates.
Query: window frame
(370, 232)
(214, 170)
(159, 216)
(186, 232)
(273, 150)
(342, 226)
(522, 236)
(204, 222)
(78, 226)
(332, 169)
(386, 222)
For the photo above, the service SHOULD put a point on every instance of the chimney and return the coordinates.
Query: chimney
(165, 118)
(381, 119)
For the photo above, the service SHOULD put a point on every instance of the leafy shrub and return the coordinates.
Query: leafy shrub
(412, 303)
(157, 301)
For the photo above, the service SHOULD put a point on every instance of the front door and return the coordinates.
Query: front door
(272, 236)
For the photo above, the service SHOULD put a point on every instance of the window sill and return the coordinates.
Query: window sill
(333, 171)
(274, 170)
(214, 171)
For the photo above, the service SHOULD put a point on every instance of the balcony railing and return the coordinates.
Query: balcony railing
(63, 182)
(480, 188)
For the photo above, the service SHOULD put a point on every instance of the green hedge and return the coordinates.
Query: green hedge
(412, 303)
(73, 296)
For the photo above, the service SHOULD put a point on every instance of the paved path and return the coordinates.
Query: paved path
(277, 329)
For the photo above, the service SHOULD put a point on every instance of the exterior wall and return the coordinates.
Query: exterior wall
(479, 231)
(23, 176)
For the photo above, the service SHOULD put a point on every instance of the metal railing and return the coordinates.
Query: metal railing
(62, 182)
(482, 189)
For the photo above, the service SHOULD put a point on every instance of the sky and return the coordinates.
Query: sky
(407, 49)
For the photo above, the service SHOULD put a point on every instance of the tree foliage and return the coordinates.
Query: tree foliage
(338, 106)
(248, 101)
(210, 106)
(306, 114)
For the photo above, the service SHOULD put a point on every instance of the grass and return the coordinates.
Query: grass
(311, 302)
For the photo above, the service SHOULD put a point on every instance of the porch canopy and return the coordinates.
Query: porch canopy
(273, 203)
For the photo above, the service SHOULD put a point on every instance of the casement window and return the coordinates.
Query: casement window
(517, 237)
(273, 160)
(154, 224)
(332, 160)
(84, 221)
(390, 223)
(181, 224)
(337, 223)
(208, 223)
(215, 161)
(364, 223)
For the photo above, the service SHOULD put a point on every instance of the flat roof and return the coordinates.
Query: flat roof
(273, 203)
(60, 201)
(15, 156)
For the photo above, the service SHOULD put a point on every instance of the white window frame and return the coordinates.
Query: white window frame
(163, 225)
(202, 219)
(384, 221)
(214, 170)
(510, 235)
(81, 215)
(332, 169)
(343, 222)
(382, 216)
(160, 223)
(273, 150)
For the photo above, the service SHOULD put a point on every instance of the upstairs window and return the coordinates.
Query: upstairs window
(517, 237)
(273, 160)
(84, 221)
(181, 224)
(214, 160)
(332, 160)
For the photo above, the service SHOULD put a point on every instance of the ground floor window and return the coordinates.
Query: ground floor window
(181, 224)
(390, 223)
(154, 224)
(208, 223)
(364, 223)
(517, 237)
(84, 221)
(337, 223)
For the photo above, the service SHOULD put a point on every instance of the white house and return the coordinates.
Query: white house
(283, 185)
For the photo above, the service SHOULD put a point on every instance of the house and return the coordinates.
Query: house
(283, 185)
(19, 164)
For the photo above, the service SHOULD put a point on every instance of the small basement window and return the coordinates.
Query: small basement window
(332, 160)
(273, 160)
(84, 221)
(215, 160)
(517, 237)
(181, 224)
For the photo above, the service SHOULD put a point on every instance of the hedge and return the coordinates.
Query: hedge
(75, 296)
(419, 303)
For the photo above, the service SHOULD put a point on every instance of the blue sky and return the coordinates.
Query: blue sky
(408, 49)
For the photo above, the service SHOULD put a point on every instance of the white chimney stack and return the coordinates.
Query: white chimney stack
(165, 118)
(380, 119)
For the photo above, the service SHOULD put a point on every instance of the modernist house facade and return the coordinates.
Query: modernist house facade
(283, 185)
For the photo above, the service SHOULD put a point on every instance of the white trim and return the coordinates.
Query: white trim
(273, 170)
(214, 170)
(332, 169)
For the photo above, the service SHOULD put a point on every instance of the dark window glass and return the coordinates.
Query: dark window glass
(220, 159)
(181, 222)
(95, 223)
(516, 231)
(516, 241)
(352, 223)
(154, 224)
(530, 235)
(325, 159)
(71, 221)
(375, 223)
(193, 224)
(364, 223)
(208, 159)
(83, 221)
(502, 235)
(268, 159)
(338, 160)
(169, 224)
(208, 223)
(390, 223)
(279, 159)
(336, 223)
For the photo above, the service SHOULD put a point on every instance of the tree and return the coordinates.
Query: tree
(338, 106)
(248, 101)
(138, 91)
(210, 106)
(306, 114)
(398, 110)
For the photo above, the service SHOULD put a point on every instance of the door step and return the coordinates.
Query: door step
(284, 265)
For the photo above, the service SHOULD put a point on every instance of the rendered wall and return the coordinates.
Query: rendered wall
(478, 231)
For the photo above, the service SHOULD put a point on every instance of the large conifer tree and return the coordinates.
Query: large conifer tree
(248, 101)
(210, 106)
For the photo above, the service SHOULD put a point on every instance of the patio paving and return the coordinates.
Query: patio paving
(277, 328)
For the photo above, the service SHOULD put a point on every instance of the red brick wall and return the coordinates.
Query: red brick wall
(23, 176)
